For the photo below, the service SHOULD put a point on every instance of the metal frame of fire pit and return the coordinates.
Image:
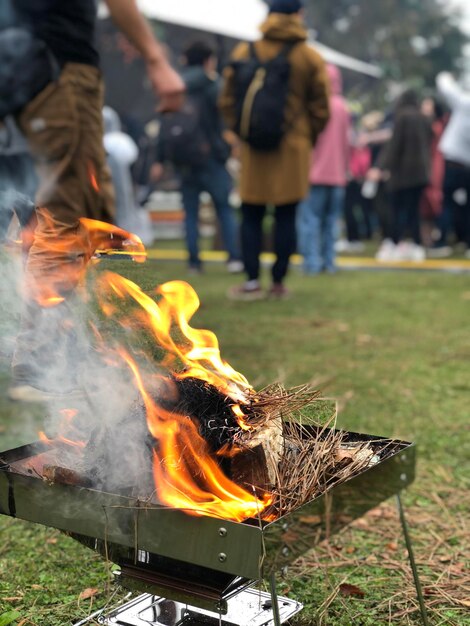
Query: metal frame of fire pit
(185, 550)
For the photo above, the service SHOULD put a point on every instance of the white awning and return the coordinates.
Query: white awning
(239, 19)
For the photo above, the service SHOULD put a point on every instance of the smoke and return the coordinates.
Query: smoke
(10, 302)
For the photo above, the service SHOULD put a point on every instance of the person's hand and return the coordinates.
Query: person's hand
(156, 172)
(167, 84)
(375, 175)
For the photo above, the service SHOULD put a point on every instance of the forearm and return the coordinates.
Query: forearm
(134, 25)
(448, 87)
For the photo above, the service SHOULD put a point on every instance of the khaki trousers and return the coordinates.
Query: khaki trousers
(64, 128)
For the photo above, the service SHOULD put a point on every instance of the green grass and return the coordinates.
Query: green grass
(394, 349)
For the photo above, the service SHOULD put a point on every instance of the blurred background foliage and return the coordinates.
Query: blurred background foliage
(412, 40)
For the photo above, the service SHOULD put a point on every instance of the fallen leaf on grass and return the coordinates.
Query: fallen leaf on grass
(445, 559)
(361, 523)
(392, 546)
(13, 598)
(346, 589)
(88, 593)
(51, 540)
(310, 519)
(363, 340)
(457, 568)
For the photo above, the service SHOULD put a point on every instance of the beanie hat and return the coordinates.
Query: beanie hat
(285, 6)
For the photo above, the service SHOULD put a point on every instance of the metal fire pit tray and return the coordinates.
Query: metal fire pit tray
(198, 560)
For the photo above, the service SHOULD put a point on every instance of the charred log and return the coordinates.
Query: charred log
(65, 476)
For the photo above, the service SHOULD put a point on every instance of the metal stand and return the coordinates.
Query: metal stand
(249, 606)
(275, 607)
(411, 557)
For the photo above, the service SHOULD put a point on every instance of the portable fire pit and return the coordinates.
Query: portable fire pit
(194, 570)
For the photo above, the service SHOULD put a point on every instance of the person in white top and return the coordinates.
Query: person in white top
(455, 146)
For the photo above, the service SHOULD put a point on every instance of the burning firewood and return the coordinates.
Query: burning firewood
(66, 476)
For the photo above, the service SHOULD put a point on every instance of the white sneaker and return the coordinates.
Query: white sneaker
(355, 246)
(386, 252)
(235, 267)
(439, 252)
(341, 245)
(407, 251)
(417, 253)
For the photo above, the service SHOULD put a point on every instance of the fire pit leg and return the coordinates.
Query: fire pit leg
(275, 607)
(411, 557)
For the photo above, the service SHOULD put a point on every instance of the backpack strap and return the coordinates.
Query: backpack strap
(286, 49)
(252, 51)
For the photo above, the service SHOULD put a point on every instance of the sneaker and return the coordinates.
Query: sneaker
(416, 253)
(278, 292)
(408, 251)
(439, 252)
(28, 393)
(341, 245)
(355, 246)
(386, 252)
(235, 267)
(246, 292)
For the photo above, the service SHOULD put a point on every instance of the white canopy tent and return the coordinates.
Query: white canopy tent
(239, 19)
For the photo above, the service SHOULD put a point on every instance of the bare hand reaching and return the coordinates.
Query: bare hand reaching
(167, 84)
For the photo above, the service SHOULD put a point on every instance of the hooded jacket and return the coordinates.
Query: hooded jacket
(200, 85)
(281, 176)
(330, 161)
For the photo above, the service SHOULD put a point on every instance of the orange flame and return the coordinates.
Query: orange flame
(187, 474)
(92, 177)
(60, 254)
(67, 431)
(197, 354)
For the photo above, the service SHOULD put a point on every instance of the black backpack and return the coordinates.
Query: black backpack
(261, 91)
(27, 66)
(183, 139)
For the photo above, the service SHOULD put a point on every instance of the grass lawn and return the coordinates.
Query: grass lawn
(394, 349)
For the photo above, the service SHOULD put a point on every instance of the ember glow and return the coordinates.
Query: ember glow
(187, 474)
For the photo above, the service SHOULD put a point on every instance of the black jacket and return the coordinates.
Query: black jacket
(407, 156)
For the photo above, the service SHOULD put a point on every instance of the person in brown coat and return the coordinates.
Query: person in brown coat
(278, 177)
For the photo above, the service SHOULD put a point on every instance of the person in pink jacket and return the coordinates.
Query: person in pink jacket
(320, 211)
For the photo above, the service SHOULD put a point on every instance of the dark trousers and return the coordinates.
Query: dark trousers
(406, 217)
(456, 207)
(252, 238)
(354, 202)
(213, 178)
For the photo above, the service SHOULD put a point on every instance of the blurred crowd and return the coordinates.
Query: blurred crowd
(393, 182)
(273, 129)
